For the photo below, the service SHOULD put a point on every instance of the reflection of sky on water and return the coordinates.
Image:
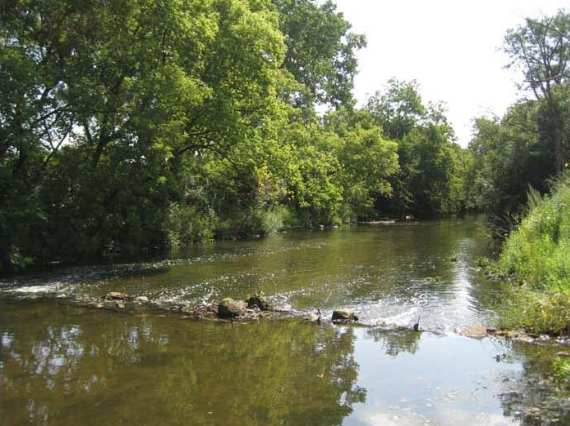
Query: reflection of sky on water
(285, 372)
(289, 370)
(448, 380)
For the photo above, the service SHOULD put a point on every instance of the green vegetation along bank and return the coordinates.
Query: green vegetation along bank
(537, 254)
(520, 170)
(134, 126)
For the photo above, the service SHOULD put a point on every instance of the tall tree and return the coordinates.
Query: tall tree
(398, 108)
(509, 156)
(428, 181)
(105, 103)
(368, 160)
(541, 49)
(321, 51)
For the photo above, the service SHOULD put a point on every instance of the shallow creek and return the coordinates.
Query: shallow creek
(64, 364)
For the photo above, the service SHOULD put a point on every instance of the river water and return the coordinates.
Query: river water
(69, 365)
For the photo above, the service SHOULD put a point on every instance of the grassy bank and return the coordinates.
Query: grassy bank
(537, 255)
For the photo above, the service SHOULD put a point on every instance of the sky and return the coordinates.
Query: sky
(452, 48)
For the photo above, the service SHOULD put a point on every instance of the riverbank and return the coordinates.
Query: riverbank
(536, 258)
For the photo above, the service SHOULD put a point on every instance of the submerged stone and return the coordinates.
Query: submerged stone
(476, 331)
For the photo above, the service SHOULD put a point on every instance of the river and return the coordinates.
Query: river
(64, 364)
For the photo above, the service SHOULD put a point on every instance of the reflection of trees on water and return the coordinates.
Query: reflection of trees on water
(394, 341)
(101, 368)
(534, 396)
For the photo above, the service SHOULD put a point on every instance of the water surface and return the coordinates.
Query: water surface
(68, 365)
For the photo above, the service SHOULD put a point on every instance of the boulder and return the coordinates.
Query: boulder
(141, 299)
(260, 301)
(344, 315)
(229, 308)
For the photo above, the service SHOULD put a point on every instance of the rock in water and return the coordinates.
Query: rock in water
(260, 301)
(344, 315)
(476, 331)
(141, 299)
(229, 308)
(117, 296)
(312, 317)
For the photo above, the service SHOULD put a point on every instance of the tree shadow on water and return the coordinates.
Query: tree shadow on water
(104, 369)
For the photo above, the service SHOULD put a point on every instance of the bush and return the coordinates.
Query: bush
(538, 251)
(537, 255)
(483, 262)
(275, 219)
(546, 312)
(187, 224)
(561, 367)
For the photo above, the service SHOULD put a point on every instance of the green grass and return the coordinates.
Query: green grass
(561, 367)
(483, 262)
(537, 255)
(540, 312)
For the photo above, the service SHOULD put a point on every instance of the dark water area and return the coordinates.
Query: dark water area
(68, 365)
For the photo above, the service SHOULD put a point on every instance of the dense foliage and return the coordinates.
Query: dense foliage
(433, 168)
(537, 254)
(538, 250)
(520, 164)
(531, 143)
(135, 125)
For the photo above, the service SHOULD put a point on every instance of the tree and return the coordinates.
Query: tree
(321, 52)
(368, 161)
(541, 49)
(530, 144)
(398, 109)
(509, 156)
(105, 105)
(429, 181)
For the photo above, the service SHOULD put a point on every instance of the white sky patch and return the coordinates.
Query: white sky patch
(452, 48)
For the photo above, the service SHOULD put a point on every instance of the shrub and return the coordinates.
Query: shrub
(187, 224)
(537, 254)
(546, 312)
(275, 219)
(561, 367)
(538, 251)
